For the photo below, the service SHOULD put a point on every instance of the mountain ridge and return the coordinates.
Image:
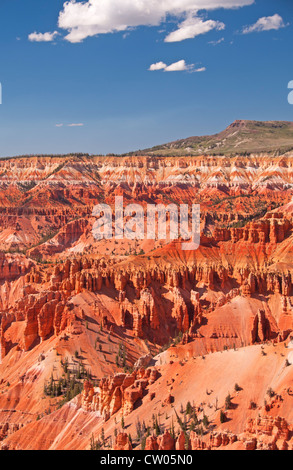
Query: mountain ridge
(240, 137)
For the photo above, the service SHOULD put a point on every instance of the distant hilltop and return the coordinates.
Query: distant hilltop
(241, 137)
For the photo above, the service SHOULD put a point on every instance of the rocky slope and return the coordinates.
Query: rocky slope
(244, 137)
(135, 343)
(181, 393)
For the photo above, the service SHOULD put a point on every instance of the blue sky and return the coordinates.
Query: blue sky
(78, 85)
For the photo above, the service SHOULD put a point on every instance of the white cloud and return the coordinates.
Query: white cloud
(157, 66)
(180, 66)
(92, 17)
(42, 37)
(70, 125)
(216, 43)
(267, 23)
(192, 27)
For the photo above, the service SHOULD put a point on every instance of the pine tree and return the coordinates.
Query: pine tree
(222, 417)
(172, 430)
(180, 422)
(228, 402)
(188, 408)
(103, 436)
(206, 421)
(157, 427)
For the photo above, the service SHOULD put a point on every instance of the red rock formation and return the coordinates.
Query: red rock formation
(122, 442)
(180, 311)
(151, 443)
(166, 441)
(235, 290)
(261, 328)
(120, 392)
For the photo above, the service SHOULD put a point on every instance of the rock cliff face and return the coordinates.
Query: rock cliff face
(193, 290)
(13, 267)
(76, 312)
(120, 392)
(41, 196)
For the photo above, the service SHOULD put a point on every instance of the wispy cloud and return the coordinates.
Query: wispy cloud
(216, 43)
(80, 124)
(267, 23)
(180, 66)
(93, 17)
(192, 27)
(42, 37)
